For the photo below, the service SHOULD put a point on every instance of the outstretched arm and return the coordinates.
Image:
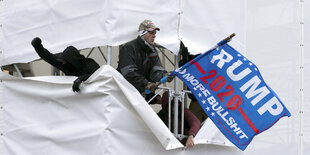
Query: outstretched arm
(45, 54)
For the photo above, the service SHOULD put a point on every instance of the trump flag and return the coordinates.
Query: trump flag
(232, 93)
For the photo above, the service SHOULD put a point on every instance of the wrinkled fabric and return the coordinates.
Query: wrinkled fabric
(107, 117)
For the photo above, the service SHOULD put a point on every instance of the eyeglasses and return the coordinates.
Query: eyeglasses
(152, 32)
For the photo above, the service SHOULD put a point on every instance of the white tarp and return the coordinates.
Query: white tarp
(273, 44)
(306, 67)
(205, 23)
(92, 23)
(274, 41)
(43, 116)
(81, 23)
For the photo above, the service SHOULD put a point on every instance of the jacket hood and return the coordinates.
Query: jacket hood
(72, 56)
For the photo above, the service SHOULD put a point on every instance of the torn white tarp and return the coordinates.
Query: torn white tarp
(205, 23)
(42, 115)
(81, 23)
(85, 24)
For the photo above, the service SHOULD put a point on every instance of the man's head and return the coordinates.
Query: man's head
(71, 56)
(147, 30)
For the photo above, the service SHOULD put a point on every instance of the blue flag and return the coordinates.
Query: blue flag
(232, 93)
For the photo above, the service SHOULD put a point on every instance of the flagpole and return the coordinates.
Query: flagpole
(226, 40)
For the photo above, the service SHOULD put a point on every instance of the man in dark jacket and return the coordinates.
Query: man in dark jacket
(70, 61)
(138, 59)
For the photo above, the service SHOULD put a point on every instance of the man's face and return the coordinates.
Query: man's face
(150, 37)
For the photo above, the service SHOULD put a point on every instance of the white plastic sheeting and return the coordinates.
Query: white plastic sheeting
(81, 23)
(276, 40)
(43, 116)
(306, 81)
(205, 23)
(274, 45)
(93, 23)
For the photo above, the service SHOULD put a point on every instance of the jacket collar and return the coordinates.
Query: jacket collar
(143, 45)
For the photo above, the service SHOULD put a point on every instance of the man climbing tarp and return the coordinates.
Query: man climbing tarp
(70, 61)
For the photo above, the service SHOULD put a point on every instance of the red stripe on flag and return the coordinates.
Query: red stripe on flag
(248, 121)
(232, 134)
(198, 67)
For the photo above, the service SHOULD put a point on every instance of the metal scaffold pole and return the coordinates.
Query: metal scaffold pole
(109, 57)
(176, 99)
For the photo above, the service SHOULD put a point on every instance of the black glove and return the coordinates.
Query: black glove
(76, 85)
(151, 86)
(36, 42)
(169, 78)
